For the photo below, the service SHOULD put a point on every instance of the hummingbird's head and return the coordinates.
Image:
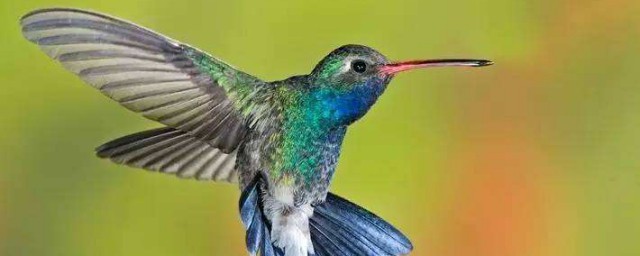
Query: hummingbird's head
(351, 78)
(351, 66)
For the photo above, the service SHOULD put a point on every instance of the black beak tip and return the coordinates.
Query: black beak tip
(482, 63)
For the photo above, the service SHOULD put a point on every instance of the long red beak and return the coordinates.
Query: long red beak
(396, 67)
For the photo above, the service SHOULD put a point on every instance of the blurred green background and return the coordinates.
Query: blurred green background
(536, 155)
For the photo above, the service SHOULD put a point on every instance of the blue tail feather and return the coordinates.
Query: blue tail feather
(249, 202)
(255, 234)
(258, 237)
(339, 227)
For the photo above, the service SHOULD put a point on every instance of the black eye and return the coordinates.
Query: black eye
(359, 66)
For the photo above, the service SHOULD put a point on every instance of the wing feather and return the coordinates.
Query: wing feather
(146, 72)
(171, 151)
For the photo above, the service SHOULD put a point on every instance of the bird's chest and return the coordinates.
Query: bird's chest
(296, 156)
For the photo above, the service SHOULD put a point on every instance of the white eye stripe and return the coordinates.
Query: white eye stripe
(348, 63)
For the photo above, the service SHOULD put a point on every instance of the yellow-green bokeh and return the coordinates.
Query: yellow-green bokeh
(536, 155)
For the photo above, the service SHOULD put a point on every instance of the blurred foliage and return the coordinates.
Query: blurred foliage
(537, 155)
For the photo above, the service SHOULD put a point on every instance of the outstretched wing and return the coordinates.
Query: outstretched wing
(163, 79)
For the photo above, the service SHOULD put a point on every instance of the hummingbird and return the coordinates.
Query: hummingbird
(279, 141)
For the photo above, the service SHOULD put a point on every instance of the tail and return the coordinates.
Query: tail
(338, 227)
